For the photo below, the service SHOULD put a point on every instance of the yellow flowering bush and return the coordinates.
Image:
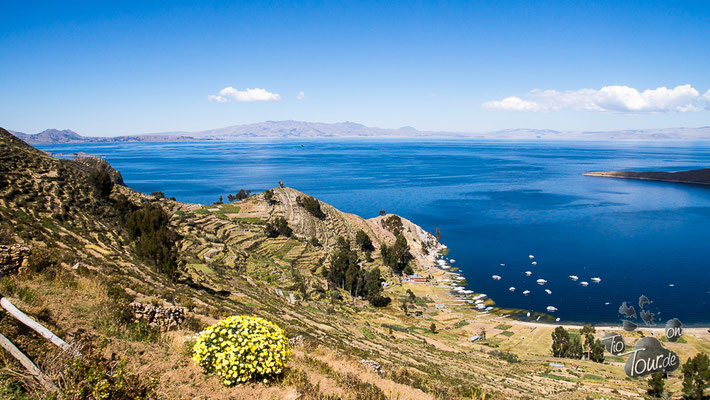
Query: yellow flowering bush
(242, 348)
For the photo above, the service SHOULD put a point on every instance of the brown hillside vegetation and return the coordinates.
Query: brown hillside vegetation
(88, 263)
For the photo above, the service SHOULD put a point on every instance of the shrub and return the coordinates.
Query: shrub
(269, 197)
(41, 259)
(311, 205)
(380, 301)
(505, 355)
(101, 182)
(242, 348)
(278, 227)
(393, 223)
(93, 377)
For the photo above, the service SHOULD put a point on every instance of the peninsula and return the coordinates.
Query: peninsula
(696, 176)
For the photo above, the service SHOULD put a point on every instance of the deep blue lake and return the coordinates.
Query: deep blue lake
(494, 201)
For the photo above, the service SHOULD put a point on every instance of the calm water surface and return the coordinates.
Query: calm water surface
(494, 201)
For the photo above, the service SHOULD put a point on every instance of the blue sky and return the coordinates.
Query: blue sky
(109, 68)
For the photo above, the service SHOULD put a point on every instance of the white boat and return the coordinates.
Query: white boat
(557, 319)
(541, 281)
(526, 292)
(551, 308)
(534, 263)
(512, 288)
(574, 277)
(502, 265)
(671, 284)
(538, 318)
(528, 273)
(496, 277)
(481, 306)
(584, 283)
(528, 314)
(548, 291)
(452, 261)
(479, 301)
(489, 308)
(597, 280)
(531, 256)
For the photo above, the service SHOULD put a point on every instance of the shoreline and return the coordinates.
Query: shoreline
(463, 299)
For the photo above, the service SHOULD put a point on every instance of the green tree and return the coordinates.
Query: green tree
(656, 385)
(597, 353)
(373, 282)
(432, 327)
(278, 226)
(587, 332)
(101, 182)
(574, 349)
(696, 377)
(398, 256)
(560, 341)
(311, 205)
(155, 240)
(393, 223)
(269, 196)
(363, 241)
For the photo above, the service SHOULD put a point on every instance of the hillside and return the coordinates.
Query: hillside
(698, 176)
(236, 258)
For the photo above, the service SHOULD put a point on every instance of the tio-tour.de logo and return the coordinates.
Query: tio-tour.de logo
(648, 356)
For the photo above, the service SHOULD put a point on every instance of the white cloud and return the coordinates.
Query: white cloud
(706, 97)
(513, 104)
(615, 98)
(301, 96)
(256, 94)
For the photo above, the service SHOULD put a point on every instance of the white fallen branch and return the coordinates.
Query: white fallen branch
(27, 363)
(32, 324)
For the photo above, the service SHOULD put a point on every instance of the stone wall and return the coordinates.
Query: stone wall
(13, 257)
(165, 318)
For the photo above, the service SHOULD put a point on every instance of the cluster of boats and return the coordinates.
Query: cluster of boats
(542, 282)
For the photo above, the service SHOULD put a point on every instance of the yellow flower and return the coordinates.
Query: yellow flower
(242, 348)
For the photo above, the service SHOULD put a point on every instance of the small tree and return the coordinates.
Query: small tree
(656, 385)
(363, 241)
(380, 301)
(278, 227)
(588, 334)
(311, 205)
(432, 327)
(411, 295)
(560, 341)
(437, 231)
(382, 212)
(101, 182)
(696, 377)
(269, 197)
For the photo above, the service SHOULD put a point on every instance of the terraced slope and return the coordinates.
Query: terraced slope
(227, 265)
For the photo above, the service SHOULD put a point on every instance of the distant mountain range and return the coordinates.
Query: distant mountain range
(300, 129)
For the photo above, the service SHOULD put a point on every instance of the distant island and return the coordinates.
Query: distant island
(697, 176)
(308, 130)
